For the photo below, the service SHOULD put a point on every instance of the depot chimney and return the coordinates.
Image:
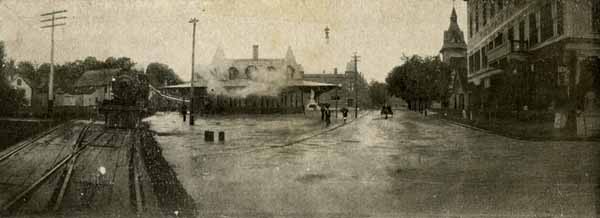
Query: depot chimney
(255, 52)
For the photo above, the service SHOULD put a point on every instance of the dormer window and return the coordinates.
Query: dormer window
(19, 82)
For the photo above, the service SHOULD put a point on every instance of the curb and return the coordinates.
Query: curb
(302, 139)
(522, 138)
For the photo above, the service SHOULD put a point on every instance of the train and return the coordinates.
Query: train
(129, 101)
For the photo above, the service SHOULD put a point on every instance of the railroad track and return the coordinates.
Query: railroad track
(78, 147)
(29, 142)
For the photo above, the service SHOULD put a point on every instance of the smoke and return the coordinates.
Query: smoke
(262, 82)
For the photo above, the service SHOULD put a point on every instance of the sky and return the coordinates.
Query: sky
(379, 31)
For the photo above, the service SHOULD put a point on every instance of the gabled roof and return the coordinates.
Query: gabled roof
(25, 79)
(97, 77)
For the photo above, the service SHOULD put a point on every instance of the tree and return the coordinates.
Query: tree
(10, 99)
(160, 74)
(377, 93)
(91, 63)
(124, 63)
(419, 81)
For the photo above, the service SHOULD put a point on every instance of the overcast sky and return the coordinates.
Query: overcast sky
(158, 30)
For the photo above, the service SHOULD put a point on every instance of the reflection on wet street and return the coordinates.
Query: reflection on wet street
(408, 166)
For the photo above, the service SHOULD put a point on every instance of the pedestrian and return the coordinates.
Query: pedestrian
(390, 111)
(384, 111)
(322, 112)
(345, 113)
(183, 111)
(327, 115)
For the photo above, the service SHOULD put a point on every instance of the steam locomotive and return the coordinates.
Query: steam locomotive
(129, 101)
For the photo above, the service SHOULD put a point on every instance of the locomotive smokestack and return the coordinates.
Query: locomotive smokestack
(255, 52)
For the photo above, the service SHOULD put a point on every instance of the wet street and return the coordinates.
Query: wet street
(407, 166)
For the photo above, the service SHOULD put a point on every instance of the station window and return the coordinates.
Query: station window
(484, 58)
(547, 26)
(487, 83)
(484, 13)
(499, 39)
(492, 9)
(596, 15)
(533, 29)
(476, 19)
(522, 31)
(558, 17)
(470, 26)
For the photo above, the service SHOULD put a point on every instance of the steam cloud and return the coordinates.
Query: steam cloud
(261, 83)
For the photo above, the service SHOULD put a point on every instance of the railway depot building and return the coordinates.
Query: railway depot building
(533, 54)
(252, 85)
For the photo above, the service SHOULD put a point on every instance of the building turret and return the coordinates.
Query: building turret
(454, 40)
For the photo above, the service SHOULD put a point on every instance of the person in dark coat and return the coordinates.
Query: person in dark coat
(345, 113)
(384, 111)
(323, 112)
(183, 111)
(327, 115)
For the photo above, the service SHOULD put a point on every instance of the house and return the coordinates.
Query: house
(21, 83)
(90, 89)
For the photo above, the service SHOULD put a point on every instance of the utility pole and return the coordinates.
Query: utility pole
(355, 59)
(52, 18)
(193, 21)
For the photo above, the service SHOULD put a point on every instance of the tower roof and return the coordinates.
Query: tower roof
(289, 56)
(454, 37)
(219, 56)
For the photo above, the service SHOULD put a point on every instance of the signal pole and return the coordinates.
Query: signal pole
(193, 21)
(52, 19)
(355, 59)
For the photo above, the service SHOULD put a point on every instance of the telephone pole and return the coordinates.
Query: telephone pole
(193, 21)
(355, 59)
(52, 18)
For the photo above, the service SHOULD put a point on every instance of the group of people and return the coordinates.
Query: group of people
(387, 110)
(326, 114)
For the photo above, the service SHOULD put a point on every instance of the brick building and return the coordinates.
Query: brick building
(345, 82)
(547, 44)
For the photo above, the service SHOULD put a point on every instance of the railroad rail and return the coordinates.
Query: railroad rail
(78, 148)
(28, 142)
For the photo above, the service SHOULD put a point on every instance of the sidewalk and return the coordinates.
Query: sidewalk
(531, 131)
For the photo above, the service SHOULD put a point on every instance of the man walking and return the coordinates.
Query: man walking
(322, 112)
(327, 115)
(183, 111)
(344, 113)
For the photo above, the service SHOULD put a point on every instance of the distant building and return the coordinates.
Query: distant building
(252, 85)
(454, 52)
(21, 83)
(90, 89)
(545, 42)
(227, 69)
(346, 82)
